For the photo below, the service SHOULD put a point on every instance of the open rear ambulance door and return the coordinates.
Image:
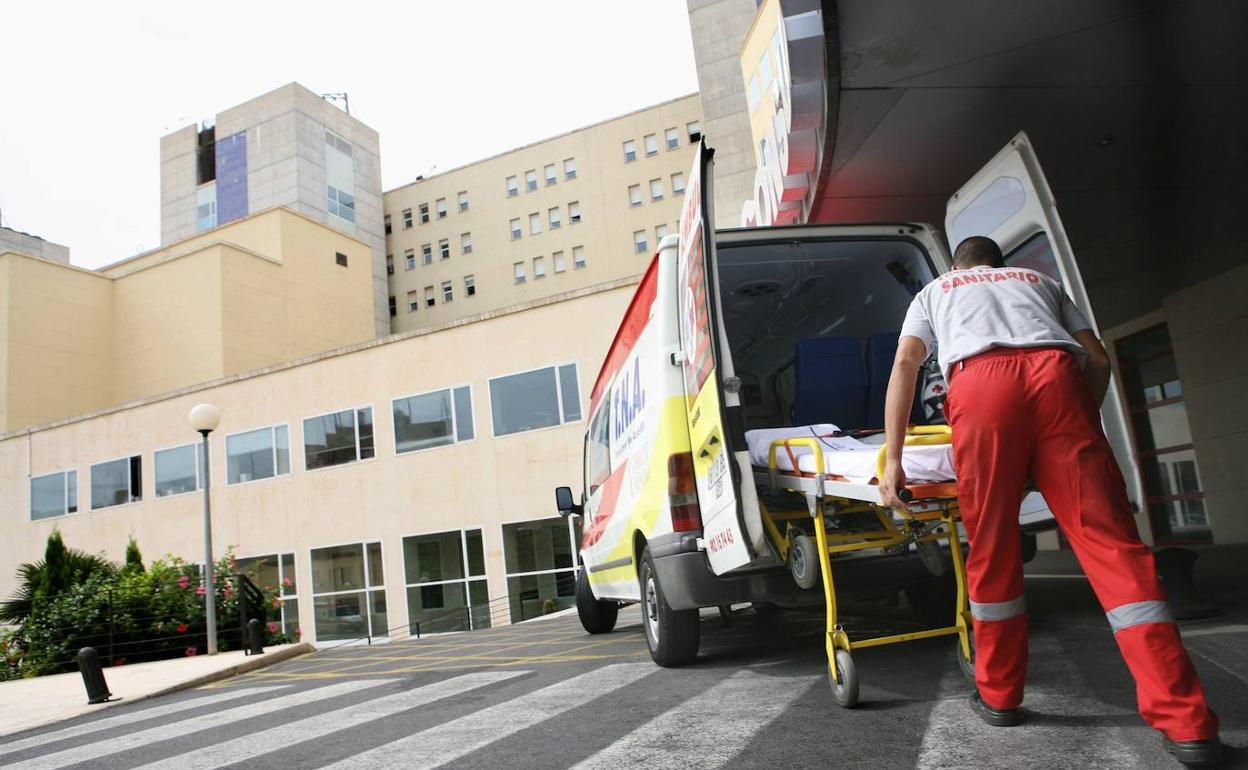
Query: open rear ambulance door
(720, 456)
(1009, 201)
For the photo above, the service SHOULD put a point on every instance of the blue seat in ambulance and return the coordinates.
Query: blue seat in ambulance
(881, 350)
(830, 383)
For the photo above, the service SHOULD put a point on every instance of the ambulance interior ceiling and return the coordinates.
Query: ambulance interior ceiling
(775, 294)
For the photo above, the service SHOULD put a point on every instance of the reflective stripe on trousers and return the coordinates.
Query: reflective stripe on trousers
(1139, 613)
(998, 610)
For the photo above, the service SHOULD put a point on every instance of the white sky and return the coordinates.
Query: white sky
(91, 87)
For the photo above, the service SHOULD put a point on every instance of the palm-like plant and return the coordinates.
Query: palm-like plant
(59, 569)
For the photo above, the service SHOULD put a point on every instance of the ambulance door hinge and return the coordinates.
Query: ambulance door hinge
(676, 357)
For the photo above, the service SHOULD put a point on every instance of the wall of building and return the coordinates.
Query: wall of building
(605, 233)
(23, 243)
(484, 483)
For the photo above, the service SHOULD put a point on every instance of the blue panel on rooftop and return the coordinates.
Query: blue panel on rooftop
(232, 178)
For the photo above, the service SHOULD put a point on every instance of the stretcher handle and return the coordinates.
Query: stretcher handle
(916, 435)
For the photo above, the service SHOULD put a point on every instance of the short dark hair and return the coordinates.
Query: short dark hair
(978, 250)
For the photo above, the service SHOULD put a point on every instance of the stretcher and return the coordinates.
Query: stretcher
(843, 515)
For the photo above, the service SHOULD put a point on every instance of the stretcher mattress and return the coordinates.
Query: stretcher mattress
(848, 457)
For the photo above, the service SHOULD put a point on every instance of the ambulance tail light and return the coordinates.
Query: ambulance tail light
(682, 493)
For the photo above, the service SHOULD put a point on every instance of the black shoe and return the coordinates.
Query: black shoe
(1206, 753)
(994, 717)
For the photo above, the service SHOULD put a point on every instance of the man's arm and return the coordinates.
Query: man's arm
(1096, 370)
(911, 353)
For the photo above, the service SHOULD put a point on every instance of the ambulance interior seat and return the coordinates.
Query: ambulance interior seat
(881, 350)
(830, 383)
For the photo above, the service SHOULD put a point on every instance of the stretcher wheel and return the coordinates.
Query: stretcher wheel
(804, 561)
(966, 666)
(932, 557)
(846, 690)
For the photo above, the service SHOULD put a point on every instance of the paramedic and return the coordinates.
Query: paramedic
(1026, 374)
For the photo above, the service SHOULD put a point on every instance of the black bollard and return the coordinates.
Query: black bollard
(255, 635)
(1175, 567)
(93, 676)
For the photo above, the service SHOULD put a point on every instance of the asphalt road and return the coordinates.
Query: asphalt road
(546, 695)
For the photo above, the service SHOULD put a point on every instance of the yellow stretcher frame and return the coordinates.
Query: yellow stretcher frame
(930, 520)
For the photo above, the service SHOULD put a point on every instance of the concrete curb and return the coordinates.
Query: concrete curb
(252, 663)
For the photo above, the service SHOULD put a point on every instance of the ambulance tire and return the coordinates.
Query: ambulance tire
(672, 635)
(597, 617)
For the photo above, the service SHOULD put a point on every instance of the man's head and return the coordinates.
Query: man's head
(977, 251)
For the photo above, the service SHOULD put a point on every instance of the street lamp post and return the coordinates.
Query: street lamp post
(205, 418)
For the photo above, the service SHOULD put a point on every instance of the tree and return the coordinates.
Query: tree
(134, 559)
(60, 569)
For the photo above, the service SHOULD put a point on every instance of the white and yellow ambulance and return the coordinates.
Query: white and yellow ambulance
(740, 336)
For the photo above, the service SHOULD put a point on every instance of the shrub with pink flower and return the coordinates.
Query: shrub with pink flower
(182, 628)
(273, 628)
(191, 652)
(183, 582)
(200, 591)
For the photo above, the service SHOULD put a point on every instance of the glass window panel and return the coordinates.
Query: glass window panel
(378, 615)
(999, 201)
(423, 422)
(532, 546)
(262, 570)
(290, 618)
(463, 414)
(289, 586)
(571, 394)
(365, 417)
(282, 449)
(432, 558)
(476, 553)
(529, 595)
(47, 496)
(1036, 253)
(526, 401)
(438, 609)
(479, 597)
(249, 456)
(110, 483)
(329, 440)
(177, 470)
(337, 568)
(340, 617)
(1162, 426)
(376, 571)
(71, 491)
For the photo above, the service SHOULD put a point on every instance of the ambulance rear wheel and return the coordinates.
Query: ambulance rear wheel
(597, 617)
(846, 690)
(672, 635)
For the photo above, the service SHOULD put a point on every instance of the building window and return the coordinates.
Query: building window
(435, 419)
(1163, 439)
(539, 268)
(206, 207)
(413, 301)
(448, 293)
(694, 131)
(389, 264)
(349, 592)
(341, 203)
(569, 169)
(426, 254)
(578, 257)
(257, 454)
(339, 177)
(463, 201)
(630, 151)
(560, 264)
(409, 259)
(537, 399)
(394, 308)
(673, 138)
(444, 574)
(340, 258)
(678, 184)
(407, 219)
(660, 232)
(651, 143)
(549, 173)
(639, 242)
(177, 470)
(430, 300)
(656, 189)
(444, 248)
(535, 223)
(752, 94)
(470, 286)
(541, 566)
(530, 180)
(206, 154)
(424, 213)
(117, 482)
(465, 243)
(54, 494)
(574, 212)
(387, 221)
(277, 571)
(338, 438)
(439, 208)
(513, 187)
(518, 270)
(555, 218)
(634, 195)
(515, 229)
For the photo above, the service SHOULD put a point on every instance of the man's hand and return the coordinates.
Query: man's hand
(891, 484)
(1096, 370)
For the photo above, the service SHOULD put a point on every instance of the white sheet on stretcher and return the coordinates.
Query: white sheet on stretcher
(849, 457)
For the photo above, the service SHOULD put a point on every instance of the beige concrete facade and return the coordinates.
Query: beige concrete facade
(483, 483)
(614, 196)
(253, 293)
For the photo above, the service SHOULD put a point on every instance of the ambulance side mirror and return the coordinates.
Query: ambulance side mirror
(564, 502)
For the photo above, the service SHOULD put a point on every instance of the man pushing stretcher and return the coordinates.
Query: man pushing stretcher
(1026, 374)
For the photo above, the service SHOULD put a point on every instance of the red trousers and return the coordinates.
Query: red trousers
(1019, 414)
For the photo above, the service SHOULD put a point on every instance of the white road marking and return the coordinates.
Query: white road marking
(185, 727)
(706, 731)
(130, 717)
(452, 740)
(246, 748)
(1059, 726)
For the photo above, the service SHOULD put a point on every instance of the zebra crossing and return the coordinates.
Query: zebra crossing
(616, 716)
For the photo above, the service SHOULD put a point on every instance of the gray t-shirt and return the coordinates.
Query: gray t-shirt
(965, 312)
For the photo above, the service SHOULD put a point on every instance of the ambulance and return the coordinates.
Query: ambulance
(748, 333)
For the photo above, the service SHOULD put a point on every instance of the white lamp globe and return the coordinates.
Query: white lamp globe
(205, 418)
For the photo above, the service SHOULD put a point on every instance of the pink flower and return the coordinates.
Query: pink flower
(201, 590)
(272, 628)
(182, 628)
(287, 582)
(277, 601)
(191, 652)
(184, 581)
(298, 632)
(229, 591)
